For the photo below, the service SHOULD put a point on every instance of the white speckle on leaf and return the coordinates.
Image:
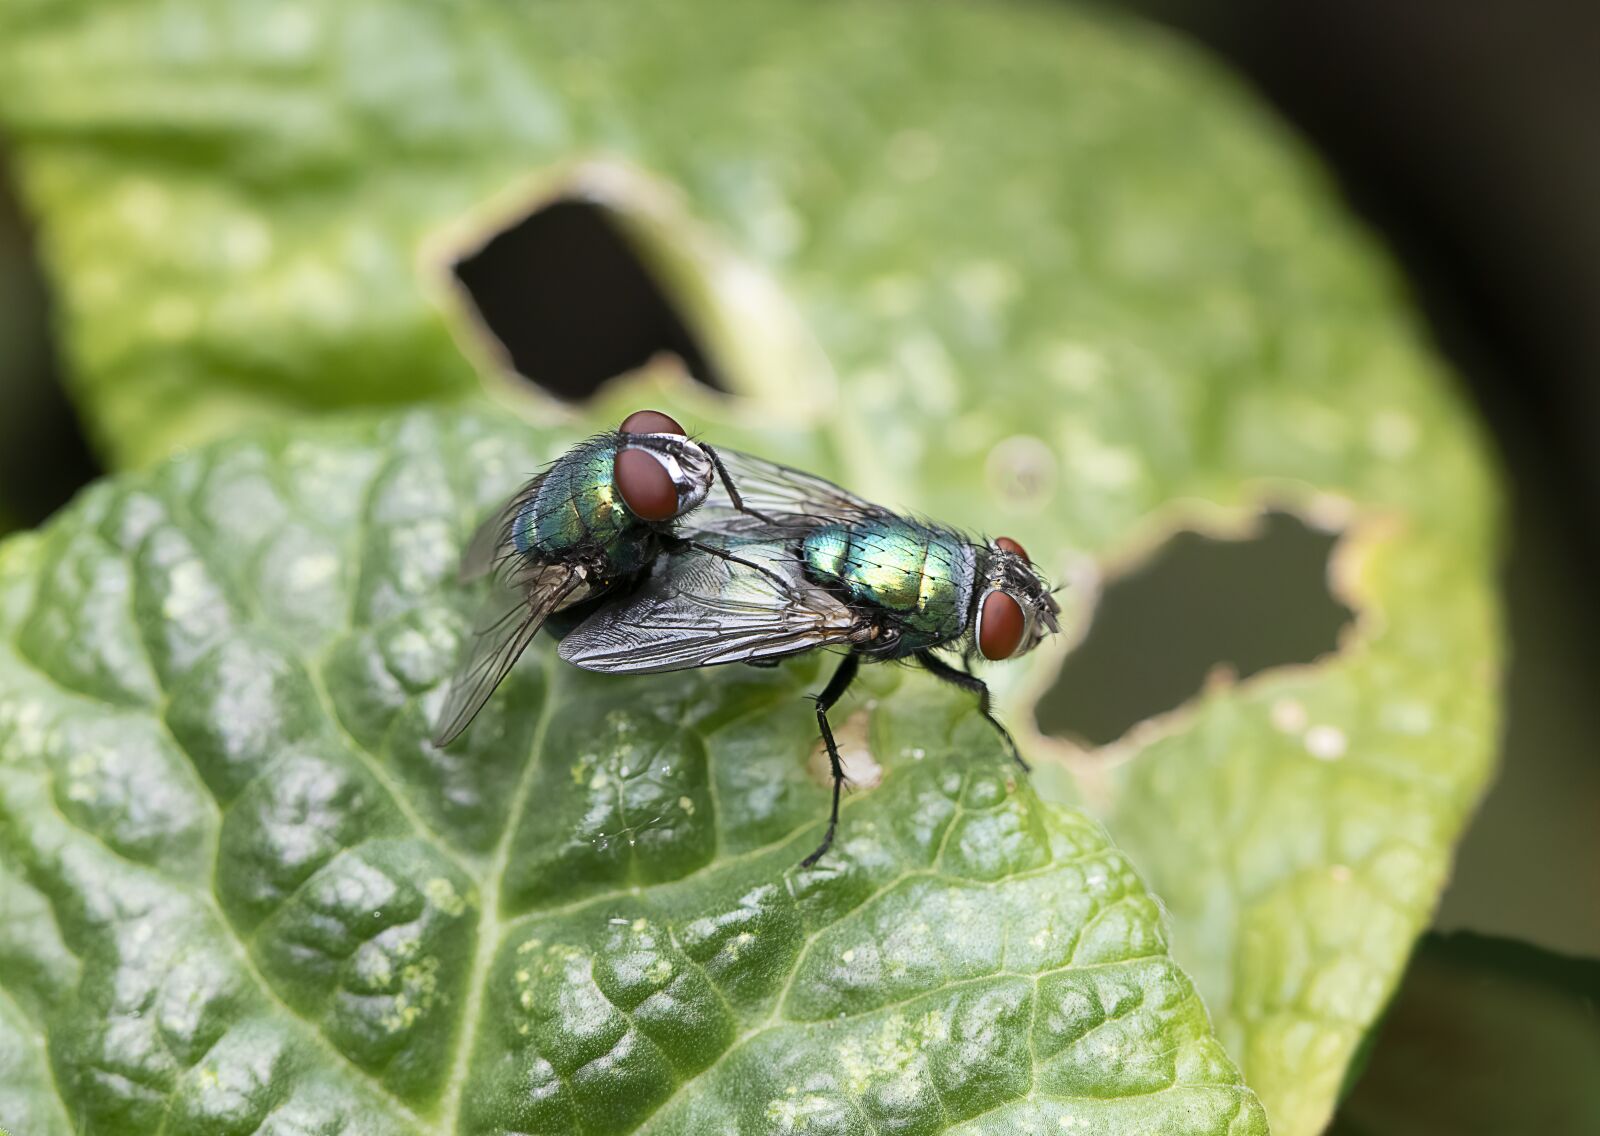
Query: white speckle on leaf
(82, 771)
(794, 1115)
(443, 895)
(1288, 715)
(1340, 873)
(26, 725)
(312, 570)
(891, 1059)
(1326, 743)
(855, 754)
(187, 594)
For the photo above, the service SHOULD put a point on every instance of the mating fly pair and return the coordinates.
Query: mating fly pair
(622, 547)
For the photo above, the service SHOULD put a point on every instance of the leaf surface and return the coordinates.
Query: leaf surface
(244, 893)
(1026, 268)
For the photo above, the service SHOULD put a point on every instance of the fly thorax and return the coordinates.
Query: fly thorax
(966, 580)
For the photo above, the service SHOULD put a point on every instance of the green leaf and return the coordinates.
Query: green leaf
(1021, 267)
(243, 894)
(1484, 1035)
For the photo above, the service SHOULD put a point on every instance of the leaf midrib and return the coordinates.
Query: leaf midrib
(490, 925)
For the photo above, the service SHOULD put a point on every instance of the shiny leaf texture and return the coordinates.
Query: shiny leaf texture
(243, 894)
(1018, 266)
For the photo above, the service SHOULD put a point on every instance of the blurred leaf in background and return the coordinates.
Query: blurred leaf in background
(1031, 270)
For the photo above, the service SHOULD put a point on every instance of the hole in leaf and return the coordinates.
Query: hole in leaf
(1198, 604)
(572, 303)
(44, 456)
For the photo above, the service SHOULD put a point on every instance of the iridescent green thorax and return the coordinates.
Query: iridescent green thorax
(577, 507)
(919, 574)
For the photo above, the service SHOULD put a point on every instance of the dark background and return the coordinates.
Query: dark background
(1468, 136)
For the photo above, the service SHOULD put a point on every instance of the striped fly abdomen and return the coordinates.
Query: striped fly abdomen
(919, 578)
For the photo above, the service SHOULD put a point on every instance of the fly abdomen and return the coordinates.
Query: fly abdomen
(917, 577)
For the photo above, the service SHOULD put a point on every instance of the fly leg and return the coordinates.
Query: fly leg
(678, 542)
(837, 685)
(970, 682)
(733, 494)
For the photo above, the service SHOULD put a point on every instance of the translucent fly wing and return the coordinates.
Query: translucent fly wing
(788, 496)
(700, 610)
(526, 593)
(492, 542)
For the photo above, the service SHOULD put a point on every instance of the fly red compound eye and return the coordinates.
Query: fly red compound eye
(1012, 546)
(645, 485)
(651, 422)
(1000, 626)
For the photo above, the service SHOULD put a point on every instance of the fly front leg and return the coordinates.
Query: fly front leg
(727, 484)
(837, 685)
(970, 682)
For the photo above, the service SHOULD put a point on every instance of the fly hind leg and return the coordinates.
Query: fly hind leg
(837, 685)
(967, 681)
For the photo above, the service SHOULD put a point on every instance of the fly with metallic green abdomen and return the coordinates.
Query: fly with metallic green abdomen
(801, 564)
(587, 526)
(920, 574)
